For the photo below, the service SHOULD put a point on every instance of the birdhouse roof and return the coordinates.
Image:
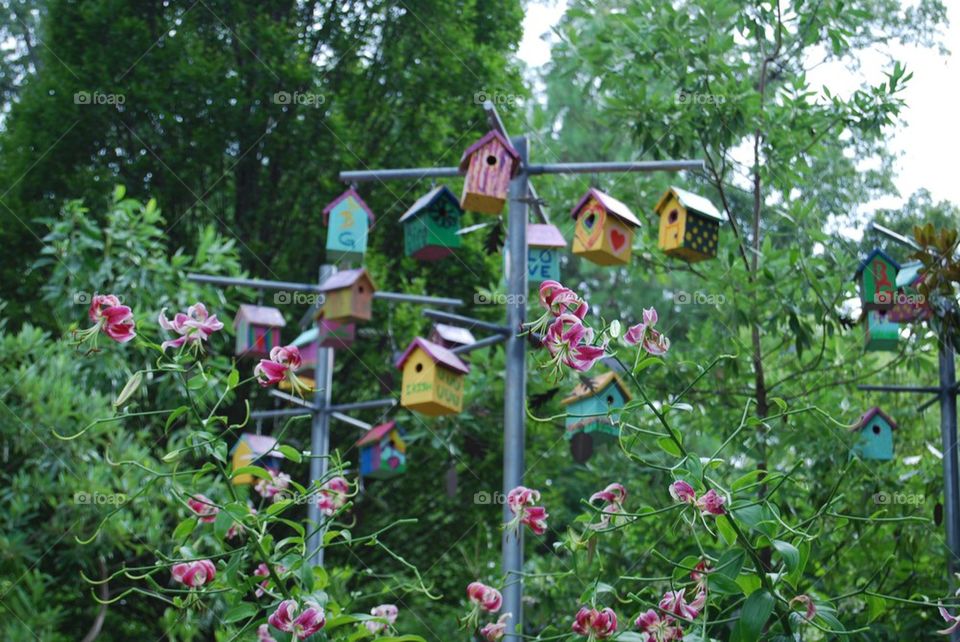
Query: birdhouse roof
(260, 315)
(438, 353)
(345, 279)
(691, 202)
(596, 386)
(877, 253)
(609, 203)
(349, 193)
(307, 337)
(544, 235)
(909, 274)
(454, 334)
(870, 414)
(493, 134)
(260, 445)
(376, 433)
(428, 199)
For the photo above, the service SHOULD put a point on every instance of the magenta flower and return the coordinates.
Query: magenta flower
(109, 317)
(700, 573)
(953, 622)
(387, 612)
(235, 529)
(711, 503)
(194, 574)
(273, 488)
(683, 492)
(263, 570)
(658, 628)
(595, 625)
(285, 618)
(613, 497)
(263, 634)
(281, 365)
(811, 608)
(194, 326)
(557, 300)
(333, 495)
(521, 502)
(675, 603)
(494, 631)
(568, 340)
(485, 597)
(203, 508)
(649, 339)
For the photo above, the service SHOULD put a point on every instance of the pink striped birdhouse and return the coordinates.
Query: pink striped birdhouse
(257, 330)
(489, 164)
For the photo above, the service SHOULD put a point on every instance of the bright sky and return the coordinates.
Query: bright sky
(930, 132)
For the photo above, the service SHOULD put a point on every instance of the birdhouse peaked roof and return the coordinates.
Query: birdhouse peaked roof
(376, 433)
(259, 315)
(348, 194)
(438, 353)
(869, 415)
(307, 337)
(454, 334)
(544, 235)
(877, 253)
(429, 199)
(596, 386)
(260, 445)
(609, 203)
(346, 279)
(690, 202)
(493, 134)
(909, 274)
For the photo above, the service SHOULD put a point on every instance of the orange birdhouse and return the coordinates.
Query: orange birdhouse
(604, 230)
(349, 296)
(432, 379)
(489, 164)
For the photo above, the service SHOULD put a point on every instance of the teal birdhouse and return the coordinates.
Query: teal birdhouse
(591, 408)
(348, 219)
(431, 225)
(545, 243)
(877, 276)
(875, 428)
(881, 333)
(383, 453)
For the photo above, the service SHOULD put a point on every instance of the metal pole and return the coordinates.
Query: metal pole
(515, 389)
(418, 298)
(948, 428)
(482, 343)
(320, 435)
(630, 166)
(259, 284)
(363, 405)
(467, 322)
(414, 173)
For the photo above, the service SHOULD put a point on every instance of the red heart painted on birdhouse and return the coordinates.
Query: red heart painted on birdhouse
(617, 240)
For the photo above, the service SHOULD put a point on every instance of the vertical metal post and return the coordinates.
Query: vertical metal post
(320, 433)
(948, 430)
(515, 386)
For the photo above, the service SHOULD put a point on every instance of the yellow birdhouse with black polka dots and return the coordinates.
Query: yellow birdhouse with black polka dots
(689, 225)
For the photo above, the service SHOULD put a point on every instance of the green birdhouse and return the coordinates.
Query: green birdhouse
(881, 333)
(877, 276)
(545, 243)
(875, 428)
(431, 224)
(591, 408)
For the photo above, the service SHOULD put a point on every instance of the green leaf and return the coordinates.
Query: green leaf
(291, 453)
(669, 446)
(240, 611)
(256, 471)
(184, 528)
(278, 507)
(754, 615)
(746, 480)
(174, 415)
(789, 553)
(132, 384)
(233, 379)
(726, 529)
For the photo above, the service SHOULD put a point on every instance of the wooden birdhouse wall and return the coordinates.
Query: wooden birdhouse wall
(543, 264)
(878, 283)
(488, 179)
(255, 340)
(880, 332)
(672, 224)
(432, 234)
(429, 388)
(350, 303)
(347, 230)
(875, 440)
(308, 357)
(242, 456)
(336, 334)
(601, 237)
(580, 412)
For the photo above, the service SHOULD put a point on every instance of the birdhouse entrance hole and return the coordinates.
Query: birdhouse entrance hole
(419, 367)
(876, 430)
(673, 216)
(491, 160)
(609, 400)
(590, 221)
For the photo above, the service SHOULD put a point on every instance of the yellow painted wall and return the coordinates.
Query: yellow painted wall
(242, 456)
(432, 390)
(671, 234)
(607, 242)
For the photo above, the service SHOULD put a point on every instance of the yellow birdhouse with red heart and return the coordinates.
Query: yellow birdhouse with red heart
(604, 229)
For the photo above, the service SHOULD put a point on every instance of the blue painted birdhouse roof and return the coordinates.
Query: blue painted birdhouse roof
(870, 257)
(428, 199)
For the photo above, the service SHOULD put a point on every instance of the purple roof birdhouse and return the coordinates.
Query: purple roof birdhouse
(432, 378)
(489, 164)
(257, 329)
(604, 229)
(349, 296)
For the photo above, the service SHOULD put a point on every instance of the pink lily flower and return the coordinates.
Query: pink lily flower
(387, 612)
(194, 327)
(235, 529)
(194, 574)
(595, 625)
(683, 492)
(486, 597)
(494, 631)
(281, 365)
(700, 573)
(811, 608)
(658, 628)
(952, 620)
(649, 339)
(204, 509)
(274, 488)
(109, 317)
(263, 570)
(333, 495)
(613, 496)
(711, 503)
(311, 620)
(521, 500)
(557, 300)
(568, 340)
(263, 634)
(675, 603)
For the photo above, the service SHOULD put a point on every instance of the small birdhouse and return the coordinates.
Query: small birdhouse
(383, 453)
(591, 407)
(254, 450)
(348, 219)
(349, 296)
(880, 332)
(257, 329)
(451, 336)
(876, 435)
(689, 225)
(431, 224)
(909, 304)
(877, 276)
(604, 229)
(545, 243)
(489, 164)
(432, 379)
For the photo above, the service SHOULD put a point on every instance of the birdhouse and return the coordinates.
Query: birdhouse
(909, 304)
(431, 224)
(689, 225)
(338, 335)
(432, 379)
(257, 329)
(880, 332)
(604, 229)
(877, 276)
(254, 450)
(383, 453)
(876, 435)
(349, 296)
(545, 243)
(348, 219)
(591, 408)
(451, 336)
(489, 164)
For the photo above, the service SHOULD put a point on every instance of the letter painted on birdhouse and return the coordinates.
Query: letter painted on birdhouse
(604, 229)
(431, 224)
(545, 243)
(592, 406)
(383, 453)
(875, 439)
(348, 219)
(451, 336)
(877, 276)
(880, 333)
(433, 379)
(689, 225)
(910, 305)
(257, 330)
(349, 296)
(254, 450)
(489, 164)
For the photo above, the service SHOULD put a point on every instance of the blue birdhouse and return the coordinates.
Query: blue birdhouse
(383, 453)
(543, 258)
(876, 435)
(591, 406)
(347, 219)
